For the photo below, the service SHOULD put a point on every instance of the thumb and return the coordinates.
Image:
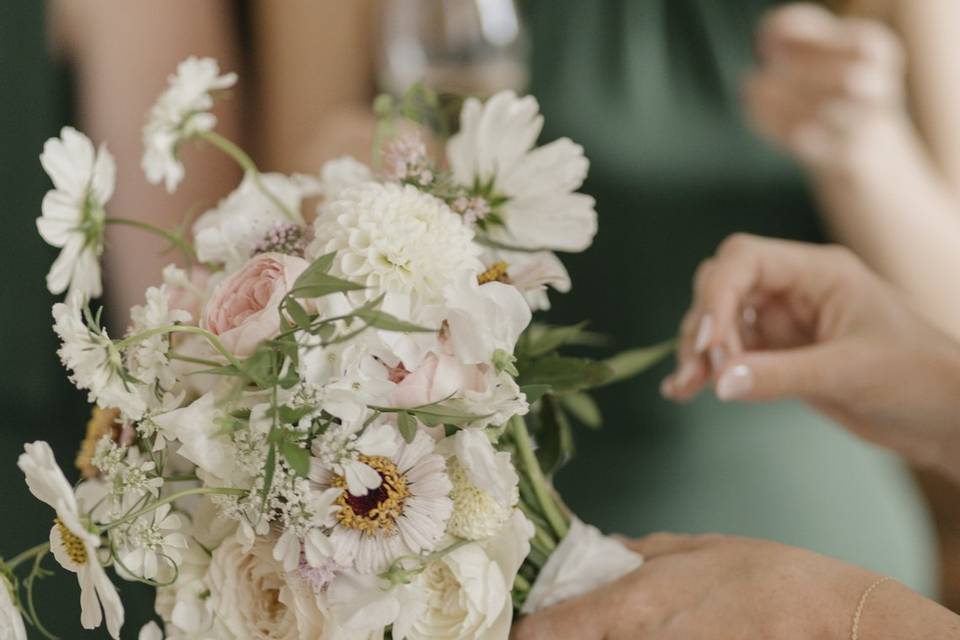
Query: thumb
(805, 373)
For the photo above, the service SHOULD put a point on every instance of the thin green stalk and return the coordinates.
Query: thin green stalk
(246, 163)
(185, 247)
(20, 558)
(173, 355)
(528, 460)
(181, 328)
(520, 584)
(227, 491)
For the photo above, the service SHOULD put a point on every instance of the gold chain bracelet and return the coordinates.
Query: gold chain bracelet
(855, 632)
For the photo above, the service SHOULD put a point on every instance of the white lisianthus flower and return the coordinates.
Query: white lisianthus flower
(584, 560)
(151, 539)
(395, 240)
(96, 363)
(202, 441)
(338, 450)
(147, 359)
(484, 485)
(11, 622)
(532, 190)
(181, 112)
(239, 225)
(73, 211)
(71, 543)
(254, 598)
(406, 515)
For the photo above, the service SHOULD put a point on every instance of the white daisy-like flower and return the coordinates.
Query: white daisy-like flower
(406, 515)
(339, 450)
(529, 271)
(72, 544)
(95, 362)
(11, 622)
(73, 211)
(181, 112)
(532, 191)
(340, 174)
(147, 359)
(152, 542)
(233, 231)
(396, 240)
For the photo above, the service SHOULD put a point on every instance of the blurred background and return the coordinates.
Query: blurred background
(693, 113)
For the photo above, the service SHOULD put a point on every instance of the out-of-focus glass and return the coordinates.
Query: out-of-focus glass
(462, 46)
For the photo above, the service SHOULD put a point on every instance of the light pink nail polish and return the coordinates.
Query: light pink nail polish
(666, 387)
(718, 356)
(685, 375)
(704, 333)
(735, 383)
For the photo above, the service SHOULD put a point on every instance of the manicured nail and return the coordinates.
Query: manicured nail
(718, 356)
(735, 383)
(704, 333)
(666, 387)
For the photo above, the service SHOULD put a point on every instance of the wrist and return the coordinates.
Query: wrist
(873, 153)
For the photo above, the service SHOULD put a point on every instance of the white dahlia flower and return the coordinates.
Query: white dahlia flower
(531, 191)
(73, 211)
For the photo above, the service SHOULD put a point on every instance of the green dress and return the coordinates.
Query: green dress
(650, 89)
(36, 400)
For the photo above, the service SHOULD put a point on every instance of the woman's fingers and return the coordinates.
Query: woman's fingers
(805, 373)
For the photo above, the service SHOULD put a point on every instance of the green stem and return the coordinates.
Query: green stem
(246, 163)
(541, 488)
(227, 491)
(180, 328)
(188, 251)
(520, 583)
(20, 558)
(173, 355)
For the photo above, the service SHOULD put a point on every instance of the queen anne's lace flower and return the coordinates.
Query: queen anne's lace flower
(147, 359)
(72, 544)
(153, 543)
(180, 113)
(73, 211)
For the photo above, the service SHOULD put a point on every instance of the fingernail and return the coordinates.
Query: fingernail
(685, 375)
(718, 356)
(704, 333)
(735, 383)
(666, 387)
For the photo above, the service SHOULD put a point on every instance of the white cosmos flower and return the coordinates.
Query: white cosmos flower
(339, 450)
(147, 359)
(11, 622)
(406, 515)
(529, 271)
(151, 541)
(95, 362)
(231, 232)
(74, 547)
(181, 112)
(73, 211)
(493, 155)
(342, 173)
(396, 240)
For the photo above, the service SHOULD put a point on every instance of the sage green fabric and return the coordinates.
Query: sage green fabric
(36, 400)
(650, 88)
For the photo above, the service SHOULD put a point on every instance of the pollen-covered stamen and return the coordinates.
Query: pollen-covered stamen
(378, 510)
(498, 272)
(73, 545)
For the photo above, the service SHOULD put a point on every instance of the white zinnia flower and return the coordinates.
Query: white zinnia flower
(95, 362)
(147, 359)
(231, 232)
(406, 515)
(181, 112)
(74, 547)
(11, 622)
(73, 212)
(396, 240)
(494, 155)
(151, 540)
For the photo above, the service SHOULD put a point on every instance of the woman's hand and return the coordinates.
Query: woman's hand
(699, 587)
(773, 319)
(828, 89)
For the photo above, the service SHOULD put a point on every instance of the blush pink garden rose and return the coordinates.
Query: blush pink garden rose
(243, 309)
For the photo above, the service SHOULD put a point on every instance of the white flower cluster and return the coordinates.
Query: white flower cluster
(315, 417)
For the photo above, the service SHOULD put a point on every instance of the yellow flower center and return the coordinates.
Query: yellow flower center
(496, 273)
(378, 510)
(72, 543)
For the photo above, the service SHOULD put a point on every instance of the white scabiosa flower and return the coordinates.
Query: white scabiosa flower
(147, 359)
(532, 191)
(73, 211)
(181, 112)
(95, 362)
(396, 240)
(406, 515)
(11, 622)
(71, 543)
(151, 541)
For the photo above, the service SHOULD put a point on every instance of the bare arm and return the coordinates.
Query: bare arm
(122, 53)
(315, 63)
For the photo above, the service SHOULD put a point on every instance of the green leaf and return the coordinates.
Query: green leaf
(565, 374)
(635, 361)
(292, 415)
(407, 425)
(535, 391)
(297, 457)
(386, 322)
(583, 408)
(318, 267)
(298, 313)
(320, 284)
(259, 368)
(269, 468)
(541, 339)
(435, 414)
(554, 438)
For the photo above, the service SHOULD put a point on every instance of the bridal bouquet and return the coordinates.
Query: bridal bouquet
(334, 426)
